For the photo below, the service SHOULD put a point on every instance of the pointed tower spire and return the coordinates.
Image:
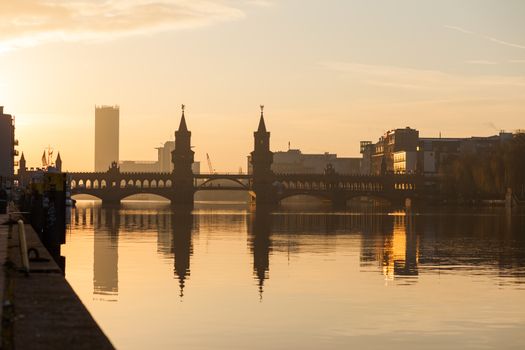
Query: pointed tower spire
(22, 163)
(183, 126)
(262, 125)
(58, 162)
(181, 287)
(261, 290)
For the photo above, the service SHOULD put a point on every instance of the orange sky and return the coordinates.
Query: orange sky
(330, 73)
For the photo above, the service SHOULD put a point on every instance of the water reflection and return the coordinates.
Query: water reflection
(261, 245)
(399, 246)
(105, 251)
(182, 246)
(400, 249)
(483, 242)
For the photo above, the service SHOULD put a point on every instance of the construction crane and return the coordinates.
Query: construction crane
(209, 164)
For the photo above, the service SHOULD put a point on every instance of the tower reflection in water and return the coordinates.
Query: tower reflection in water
(261, 245)
(386, 240)
(397, 245)
(182, 247)
(174, 241)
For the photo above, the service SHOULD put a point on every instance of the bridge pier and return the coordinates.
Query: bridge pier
(183, 198)
(265, 198)
(110, 202)
(338, 201)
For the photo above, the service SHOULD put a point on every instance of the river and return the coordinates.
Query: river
(225, 277)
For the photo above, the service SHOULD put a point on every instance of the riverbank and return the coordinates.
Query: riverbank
(40, 309)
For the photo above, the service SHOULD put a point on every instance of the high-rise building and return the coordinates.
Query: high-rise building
(7, 144)
(106, 137)
(164, 157)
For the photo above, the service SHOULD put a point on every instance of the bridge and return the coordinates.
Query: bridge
(265, 187)
(114, 186)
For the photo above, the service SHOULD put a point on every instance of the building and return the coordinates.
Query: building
(7, 145)
(393, 141)
(294, 161)
(367, 150)
(477, 144)
(405, 162)
(150, 166)
(26, 175)
(106, 137)
(434, 152)
(165, 164)
(196, 167)
(403, 151)
(138, 166)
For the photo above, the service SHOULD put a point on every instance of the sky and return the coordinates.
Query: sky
(330, 73)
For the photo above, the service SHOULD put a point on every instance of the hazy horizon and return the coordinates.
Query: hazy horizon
(336, 72)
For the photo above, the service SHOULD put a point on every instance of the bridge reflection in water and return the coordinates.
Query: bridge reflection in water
(396, 245)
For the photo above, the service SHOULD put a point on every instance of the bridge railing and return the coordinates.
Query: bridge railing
(219, 174)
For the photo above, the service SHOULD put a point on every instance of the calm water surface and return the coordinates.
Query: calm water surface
(227, 278)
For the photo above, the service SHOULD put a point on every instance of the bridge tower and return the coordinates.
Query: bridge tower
(262, 159)
(182, 158)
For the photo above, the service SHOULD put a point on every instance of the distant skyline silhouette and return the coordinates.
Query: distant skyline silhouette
(335, 72)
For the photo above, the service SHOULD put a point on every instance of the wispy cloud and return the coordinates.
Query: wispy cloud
(487, 37)
(482, 62)
(32, 22)
(264, 3)
(421, 79)
(506, 43)
(459, 29)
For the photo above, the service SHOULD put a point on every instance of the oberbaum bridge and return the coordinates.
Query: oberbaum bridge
(266, 188)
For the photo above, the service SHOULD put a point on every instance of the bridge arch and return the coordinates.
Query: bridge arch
(88, 195)
(318, 195)
(128, 196)
(210, 181)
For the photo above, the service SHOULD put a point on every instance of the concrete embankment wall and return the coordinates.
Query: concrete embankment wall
(40, 309)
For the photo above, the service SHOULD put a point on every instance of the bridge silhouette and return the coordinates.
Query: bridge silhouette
(265, 187)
